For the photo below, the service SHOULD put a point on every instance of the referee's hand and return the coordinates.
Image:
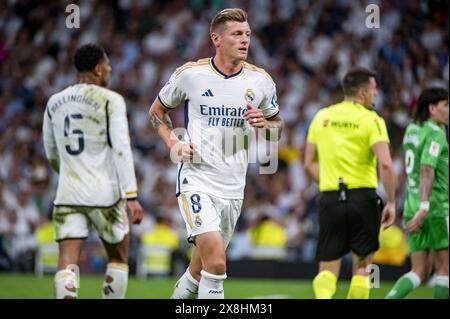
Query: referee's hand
(388, 215)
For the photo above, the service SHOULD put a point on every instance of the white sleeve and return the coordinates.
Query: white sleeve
(119, 141)
(51, 151)
(269, 105)
(173, 92)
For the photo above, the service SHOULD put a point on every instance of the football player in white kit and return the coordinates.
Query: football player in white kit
(224, 97)
(87, 142)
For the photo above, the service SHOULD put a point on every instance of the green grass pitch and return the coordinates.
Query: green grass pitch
(19, 286)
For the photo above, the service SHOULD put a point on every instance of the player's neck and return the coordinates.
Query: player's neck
(354, 100)
(227, 66)
(88, 78)
(435, 121)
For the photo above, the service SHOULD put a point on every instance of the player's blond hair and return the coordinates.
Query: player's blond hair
(232, 14)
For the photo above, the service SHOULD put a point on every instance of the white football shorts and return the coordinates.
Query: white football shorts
(74, 222)
(204, 213)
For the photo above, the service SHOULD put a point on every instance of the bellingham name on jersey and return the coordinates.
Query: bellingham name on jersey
(85, 131)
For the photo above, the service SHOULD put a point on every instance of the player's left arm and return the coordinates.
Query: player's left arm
(118, 138)
(428, 162)
(119, 141)
(267, 115)
(273, 126)
(426, 185)
(426, 182)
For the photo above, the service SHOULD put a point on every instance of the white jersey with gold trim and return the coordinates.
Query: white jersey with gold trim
(86, 133)
(214, 106)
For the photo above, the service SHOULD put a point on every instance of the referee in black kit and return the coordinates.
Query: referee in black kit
(345, 142)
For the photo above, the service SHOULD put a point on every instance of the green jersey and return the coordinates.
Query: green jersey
(426, 144)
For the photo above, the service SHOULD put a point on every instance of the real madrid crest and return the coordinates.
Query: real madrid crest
(198, 220)
(249, 95)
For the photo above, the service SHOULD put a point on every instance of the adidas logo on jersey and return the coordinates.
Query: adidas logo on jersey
(208, 93)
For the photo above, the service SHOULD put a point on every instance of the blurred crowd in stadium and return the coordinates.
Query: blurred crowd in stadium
(305, 45)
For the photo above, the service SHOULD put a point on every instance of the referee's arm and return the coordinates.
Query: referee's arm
(381, 150)
(311, 165)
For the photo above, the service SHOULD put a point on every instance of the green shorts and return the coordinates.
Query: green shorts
(432, 235)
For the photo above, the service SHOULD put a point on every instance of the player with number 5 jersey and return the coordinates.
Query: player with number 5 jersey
(86, 136)
(86, 141)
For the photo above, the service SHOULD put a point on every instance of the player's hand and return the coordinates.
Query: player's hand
(388, 215)
(184, 151)
(255, 116)
(135, 211)
(414, 224)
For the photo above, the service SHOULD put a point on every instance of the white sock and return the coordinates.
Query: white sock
(116, 281)
(442, 281)
(186, 287)
(211, 286)
(66, 284)
(414, 278)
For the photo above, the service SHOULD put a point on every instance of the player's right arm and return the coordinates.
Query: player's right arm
(51, 151)
(379, 141)
(310, 161)
(162, 123)
(172, 94)
(381, 150)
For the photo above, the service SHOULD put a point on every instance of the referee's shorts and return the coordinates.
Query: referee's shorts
(353, 225)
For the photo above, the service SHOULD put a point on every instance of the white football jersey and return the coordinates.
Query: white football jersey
(85, 131)
(214, 104)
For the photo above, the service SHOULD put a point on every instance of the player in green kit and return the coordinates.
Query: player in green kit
(426, 201)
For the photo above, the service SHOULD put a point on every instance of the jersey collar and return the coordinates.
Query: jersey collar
(223, 75)
(433, 125)
(353, 103)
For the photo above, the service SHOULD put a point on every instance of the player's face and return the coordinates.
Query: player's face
(369, 93)
(104, 71)
(234, 40)
(439, 112)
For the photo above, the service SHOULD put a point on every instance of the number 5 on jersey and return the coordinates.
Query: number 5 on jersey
(68, 132)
